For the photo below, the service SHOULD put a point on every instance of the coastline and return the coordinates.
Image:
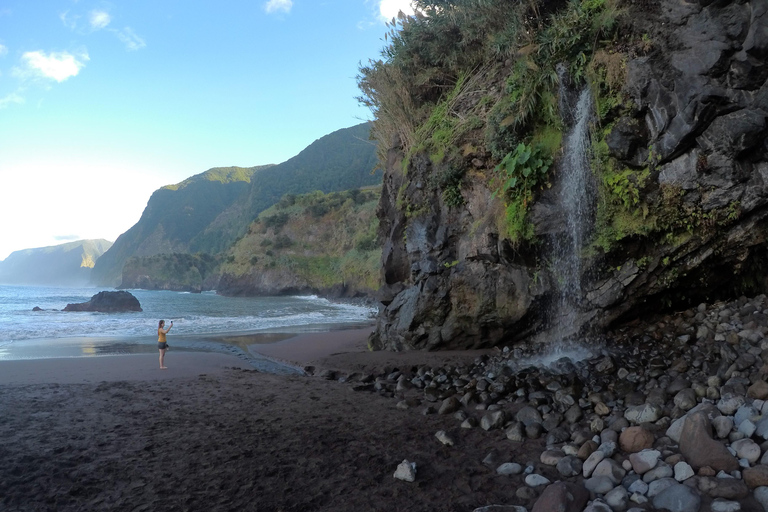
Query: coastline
(116, 433)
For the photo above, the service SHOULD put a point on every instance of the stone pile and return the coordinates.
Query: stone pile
(671, 415)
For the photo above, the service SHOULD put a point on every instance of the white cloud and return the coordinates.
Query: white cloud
(12, 98)
(3, 50)
(390, 8)
(278, 5)
(57, 65)
(99, 19)
(69, 21)
(130, 39)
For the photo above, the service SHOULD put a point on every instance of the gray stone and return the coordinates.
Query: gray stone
(598, 506)
(534, 480)
(678, 498)
(569, 466)
(565, 496)
(685, 399)
(723, 426)
(721, 505)
(599, 484)
(747, 449)
(683, 471)
(528, 415)
(761, 495)
(645, 413)
(591, 463)
(551, 457)
(617, 498)
(444, 438)
(516, 432)
(493, 420)
(449, 405)
(657, 486)
(509, 468)
(406, 471)
(663, 470)
(644, 461)
(611, 469)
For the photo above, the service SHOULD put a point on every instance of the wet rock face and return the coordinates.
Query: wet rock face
(700, 121)
(108, 302)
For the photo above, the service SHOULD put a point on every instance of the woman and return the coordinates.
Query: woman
(161, 342)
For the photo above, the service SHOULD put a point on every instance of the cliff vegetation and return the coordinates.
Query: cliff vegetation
(472, 101)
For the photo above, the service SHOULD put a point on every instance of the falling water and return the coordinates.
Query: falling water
(576, 200)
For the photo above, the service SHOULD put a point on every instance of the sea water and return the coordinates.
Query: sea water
(195, 317)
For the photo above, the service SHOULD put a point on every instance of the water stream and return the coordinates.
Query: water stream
(577, 199)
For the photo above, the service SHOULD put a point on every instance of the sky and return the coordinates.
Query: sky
(103, 102)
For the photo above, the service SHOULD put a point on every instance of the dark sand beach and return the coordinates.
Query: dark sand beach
(116, 433)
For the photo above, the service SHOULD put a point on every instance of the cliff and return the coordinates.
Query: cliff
(308, 244)
(67, 264)
(208, 212)
(475, 105)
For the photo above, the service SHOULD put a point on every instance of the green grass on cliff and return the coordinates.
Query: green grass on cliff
(479, 79)
(324, 239)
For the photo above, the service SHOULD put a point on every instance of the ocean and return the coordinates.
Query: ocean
(200, 321)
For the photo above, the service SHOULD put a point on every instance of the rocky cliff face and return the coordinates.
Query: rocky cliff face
(681, 216)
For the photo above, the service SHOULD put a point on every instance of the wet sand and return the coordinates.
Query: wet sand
(115, 433)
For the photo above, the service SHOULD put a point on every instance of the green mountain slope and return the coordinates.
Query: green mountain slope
(208, 212)
(309, 243)
(174, 216)
(67, 264)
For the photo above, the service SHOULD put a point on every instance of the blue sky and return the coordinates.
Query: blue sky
(103, 102)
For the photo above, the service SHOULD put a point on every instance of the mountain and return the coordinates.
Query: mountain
(67, 264)
(311, 243)
(175, 216)
(208, 212)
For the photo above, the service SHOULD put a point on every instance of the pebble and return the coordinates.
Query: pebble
(509, 468)
(406, 471)
(534, 480)
(599, 484)
(678, 498)
(683, 471)
(444, 438)
(687, 386)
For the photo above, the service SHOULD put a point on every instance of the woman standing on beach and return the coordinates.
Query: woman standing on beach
(162, 344)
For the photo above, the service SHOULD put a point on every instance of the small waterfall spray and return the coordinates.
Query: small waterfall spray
(576, 200)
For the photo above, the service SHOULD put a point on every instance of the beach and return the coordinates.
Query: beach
(211, 433)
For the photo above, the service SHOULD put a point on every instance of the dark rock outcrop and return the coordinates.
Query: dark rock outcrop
(108, 302)
(699, 123)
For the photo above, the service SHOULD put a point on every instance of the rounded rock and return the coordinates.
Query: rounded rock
(635, 439)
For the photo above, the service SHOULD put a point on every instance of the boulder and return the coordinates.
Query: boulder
(108, 302)
(562, 496)
(700, 450)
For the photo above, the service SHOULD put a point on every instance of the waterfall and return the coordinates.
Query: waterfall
(576, 198)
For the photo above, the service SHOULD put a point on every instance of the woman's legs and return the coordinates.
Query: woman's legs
(162, 357)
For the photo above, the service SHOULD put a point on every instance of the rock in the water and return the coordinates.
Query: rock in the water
(108, 302)
(406, 471)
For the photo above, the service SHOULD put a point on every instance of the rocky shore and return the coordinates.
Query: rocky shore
(667, 415)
